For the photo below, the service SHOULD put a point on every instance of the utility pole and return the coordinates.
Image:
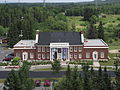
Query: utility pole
(21, 34)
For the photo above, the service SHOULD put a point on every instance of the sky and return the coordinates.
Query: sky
(8, 1)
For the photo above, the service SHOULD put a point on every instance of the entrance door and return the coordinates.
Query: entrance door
(95, 56)
(25, 55)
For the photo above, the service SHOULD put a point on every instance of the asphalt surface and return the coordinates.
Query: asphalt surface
(46, 74)
(4, 52)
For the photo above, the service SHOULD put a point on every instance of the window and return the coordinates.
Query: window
(102, 55)
(43, 56)
(43, 49)
(87, 55)
(71, 55)
(31, 55)
(39, 56)
(48, 56)
(47, 49)
(18, 55)
(39, 49)
(75, 49)
(80, 49)
(75, 55)
(71, 49)
(80, 56)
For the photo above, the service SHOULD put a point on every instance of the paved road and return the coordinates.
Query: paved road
(46, 74)
(4, 52)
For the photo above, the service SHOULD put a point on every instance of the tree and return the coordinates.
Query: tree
(107, 80)
(91, 33)
(117, 73)
(12, 82)
(101, 31)
(19, 80)
(56, 66)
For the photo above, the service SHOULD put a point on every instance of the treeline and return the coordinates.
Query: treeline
(88, 80)
(15, 19)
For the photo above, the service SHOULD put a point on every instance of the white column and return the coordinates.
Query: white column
(68, 55)
(50, 54)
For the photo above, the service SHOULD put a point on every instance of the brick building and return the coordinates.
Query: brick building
(65, 46)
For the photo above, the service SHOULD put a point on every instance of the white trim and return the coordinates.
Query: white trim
(95, 47)
(24, 55)
(95, 53)
(36, 41)
(24, 48)
(59, 45)
(82, 38)
(75, 45)
(104, 42)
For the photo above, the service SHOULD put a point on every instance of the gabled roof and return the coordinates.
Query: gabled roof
(95, 42)
(73, 38)
(25, 43)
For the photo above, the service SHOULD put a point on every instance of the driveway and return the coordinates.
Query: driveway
(4, 51)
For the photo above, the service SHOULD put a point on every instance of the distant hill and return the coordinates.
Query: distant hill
(69, 3)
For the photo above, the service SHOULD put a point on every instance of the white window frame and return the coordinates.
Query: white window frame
(102, 55)
(18, 54)
(87, 55)
(39, 49)
(80, 55)
(31, 55)
(39, 56)
(75, 55)
(71, 55)
(48, 56)
(75, 49)
(71, 49)
(47, 49)
(43, 55)
(43, 49)
(80, 49)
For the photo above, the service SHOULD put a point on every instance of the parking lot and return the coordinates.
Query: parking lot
(4, 51)
(36, 88)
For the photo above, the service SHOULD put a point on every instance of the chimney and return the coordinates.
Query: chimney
(37, 34)
(82, 37)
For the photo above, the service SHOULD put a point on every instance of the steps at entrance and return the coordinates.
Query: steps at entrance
(96, 63)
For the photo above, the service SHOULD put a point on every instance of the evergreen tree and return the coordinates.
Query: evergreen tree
(92, 33)
(107, 80)
(101, 31)
(19, 80)
(12, 82)
(56, 66)
(117, 79)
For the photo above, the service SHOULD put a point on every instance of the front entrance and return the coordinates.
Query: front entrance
(25, 56)
(59, 54)
(95, 55)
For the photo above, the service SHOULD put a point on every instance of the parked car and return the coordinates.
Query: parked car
(47, 83)
(9, 57)
(11, 54)
(37, 83)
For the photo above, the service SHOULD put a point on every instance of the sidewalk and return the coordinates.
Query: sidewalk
(33, 67)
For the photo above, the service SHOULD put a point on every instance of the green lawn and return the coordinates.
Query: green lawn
(114, 47)
(108, 63)
(49, 69)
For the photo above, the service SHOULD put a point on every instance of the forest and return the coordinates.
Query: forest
(103, 20)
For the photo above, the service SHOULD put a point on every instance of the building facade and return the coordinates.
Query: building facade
(64, 46)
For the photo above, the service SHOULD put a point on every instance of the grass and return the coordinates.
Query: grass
(114, 47)
(2, 80)
(49, 69)
(107, 63)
